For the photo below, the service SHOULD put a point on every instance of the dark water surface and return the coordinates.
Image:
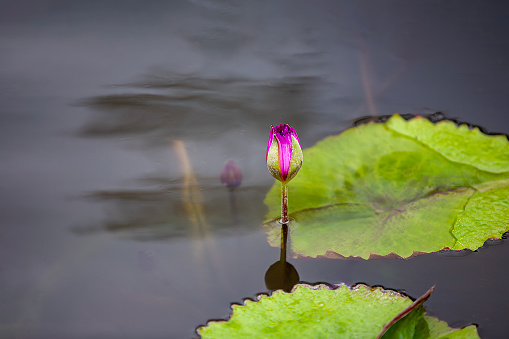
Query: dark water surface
(104, 104)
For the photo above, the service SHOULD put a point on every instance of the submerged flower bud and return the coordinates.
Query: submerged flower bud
(284, 155)
(231, 176)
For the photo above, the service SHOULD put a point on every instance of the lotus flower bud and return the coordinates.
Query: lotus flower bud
(284, 154)
(231, 176)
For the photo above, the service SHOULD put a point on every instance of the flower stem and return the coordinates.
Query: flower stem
(284, 203)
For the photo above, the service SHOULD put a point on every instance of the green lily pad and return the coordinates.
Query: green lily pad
(400, 188)
(323, 311)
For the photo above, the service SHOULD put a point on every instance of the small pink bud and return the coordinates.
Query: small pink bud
(231, 176)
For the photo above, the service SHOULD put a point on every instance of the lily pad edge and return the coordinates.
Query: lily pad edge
(323, 285)
(313, 286)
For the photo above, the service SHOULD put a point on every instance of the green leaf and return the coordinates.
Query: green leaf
(458, 144)
(440, 330)
(485, 216)
(330, 312)
(397, 189)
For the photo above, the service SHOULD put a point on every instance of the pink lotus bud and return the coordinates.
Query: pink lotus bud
(231, 176)
(284, 154)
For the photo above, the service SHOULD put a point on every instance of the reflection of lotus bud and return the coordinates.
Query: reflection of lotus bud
(231, 176)
(281, 275)
(284, 155)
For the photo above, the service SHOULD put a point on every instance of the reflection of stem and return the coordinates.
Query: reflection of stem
(284, 238)
(191, 195)
(369, 89)
(282, 274)
(284, 203)
(233, 206)
(366, 83)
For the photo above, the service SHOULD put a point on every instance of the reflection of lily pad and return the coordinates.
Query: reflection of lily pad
(338, 312)
(398, 188)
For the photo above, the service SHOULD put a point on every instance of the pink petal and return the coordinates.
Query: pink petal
(295, 134)
(272, 131)
(285, 153)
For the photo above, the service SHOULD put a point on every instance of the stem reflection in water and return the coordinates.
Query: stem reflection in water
(281, 274)
(284, 205)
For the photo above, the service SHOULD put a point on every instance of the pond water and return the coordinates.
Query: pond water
(109, 109)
